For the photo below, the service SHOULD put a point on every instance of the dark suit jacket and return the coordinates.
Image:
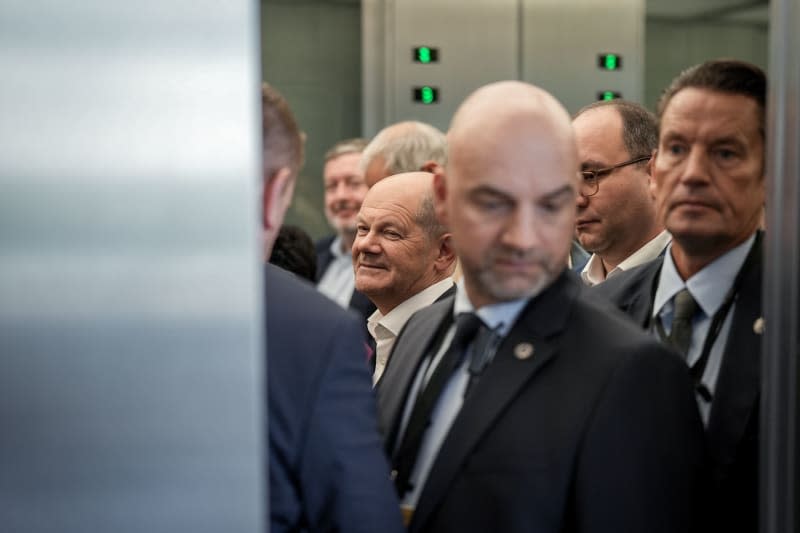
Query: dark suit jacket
(327, 470)
(358, 302)
(596, 432)
(732, 432)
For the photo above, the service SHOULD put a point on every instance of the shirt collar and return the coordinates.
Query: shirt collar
(336, 248)
(706, 284)
(500, 316)
(394, 320)
(594, 272)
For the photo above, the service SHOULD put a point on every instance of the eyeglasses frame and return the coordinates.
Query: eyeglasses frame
(596, 174)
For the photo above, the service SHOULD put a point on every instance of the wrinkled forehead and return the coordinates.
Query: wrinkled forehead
(714, 111)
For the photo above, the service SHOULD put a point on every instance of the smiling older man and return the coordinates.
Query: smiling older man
(402, 256)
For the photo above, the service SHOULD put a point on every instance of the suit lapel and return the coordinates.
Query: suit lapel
(638, 303)
(537, 327)
(413, 344)
(736, 391)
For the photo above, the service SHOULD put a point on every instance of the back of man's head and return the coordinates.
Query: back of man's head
(283, 158)
(725, 76)
(403, 147)
(283, 140)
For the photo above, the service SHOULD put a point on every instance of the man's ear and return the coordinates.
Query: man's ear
(431, 166)
(277, 196)
(446, 256)
(650, 166)
(440, 194)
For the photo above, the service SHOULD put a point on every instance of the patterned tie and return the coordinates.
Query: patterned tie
(467, 326)
(680, 336)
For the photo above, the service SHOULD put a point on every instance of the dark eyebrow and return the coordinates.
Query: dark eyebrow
(591, 164)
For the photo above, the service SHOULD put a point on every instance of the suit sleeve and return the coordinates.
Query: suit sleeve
(344, 474)
(641, 463)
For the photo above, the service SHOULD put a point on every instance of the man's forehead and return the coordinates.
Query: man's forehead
(700, 105)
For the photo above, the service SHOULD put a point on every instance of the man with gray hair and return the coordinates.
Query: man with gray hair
(344, 192)
(403, 147)
(616, 211)
(402, 256)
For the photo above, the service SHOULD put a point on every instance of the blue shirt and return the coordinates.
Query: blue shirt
(708, 287)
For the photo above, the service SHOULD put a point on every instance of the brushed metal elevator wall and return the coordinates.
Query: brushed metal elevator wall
(131, 372)
(552, 43)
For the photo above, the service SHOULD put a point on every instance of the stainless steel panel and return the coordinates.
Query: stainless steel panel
(553, 44)
(130, 313)
(477, 43)
(561, 41)
(780, 442)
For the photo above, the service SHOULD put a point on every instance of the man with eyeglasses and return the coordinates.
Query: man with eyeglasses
(616, 212)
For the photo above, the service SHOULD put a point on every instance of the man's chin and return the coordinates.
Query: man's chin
(503, 290)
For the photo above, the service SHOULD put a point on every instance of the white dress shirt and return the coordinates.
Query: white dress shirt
(338, 281)
(594, 272)
(385, 328)
(499, 317)
(708, 287)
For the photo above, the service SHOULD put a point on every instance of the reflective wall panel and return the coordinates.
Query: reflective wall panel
(555, 44)
(130, 312)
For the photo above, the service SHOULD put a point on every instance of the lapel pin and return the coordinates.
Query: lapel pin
(523, 350)
(758, 326)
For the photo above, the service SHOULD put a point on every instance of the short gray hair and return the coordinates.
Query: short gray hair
(426, 218)
(406, 146)
(347, 146)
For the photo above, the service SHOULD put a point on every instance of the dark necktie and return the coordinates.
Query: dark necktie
(467, 326)
(680, 336)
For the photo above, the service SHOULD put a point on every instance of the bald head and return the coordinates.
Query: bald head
(414, 192)
(514, 106)
(400, 247)
(403, 147)
(508, 191)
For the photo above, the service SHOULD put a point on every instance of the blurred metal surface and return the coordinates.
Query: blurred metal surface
(130, 311)
(780, 441)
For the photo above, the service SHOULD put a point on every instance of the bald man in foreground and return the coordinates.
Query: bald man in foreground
(518, 404)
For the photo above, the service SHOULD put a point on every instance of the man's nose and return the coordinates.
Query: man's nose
(521, 231)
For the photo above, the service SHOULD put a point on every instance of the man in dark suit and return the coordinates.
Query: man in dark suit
(344, 191)
(616, 210)
(539, 410)
(704, 296)
(327, 471)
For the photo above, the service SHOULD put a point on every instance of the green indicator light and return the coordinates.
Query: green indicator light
(425, 95)
(609, 61)
(428, 96)
(608, 95)
(424, 54)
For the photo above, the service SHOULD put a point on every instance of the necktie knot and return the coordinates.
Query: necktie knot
(467, 326)
(680, 335)
(685, 305)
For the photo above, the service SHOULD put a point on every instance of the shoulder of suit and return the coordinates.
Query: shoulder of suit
(435, 311)
(324, 243)
(297, 300)
(625, 282)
